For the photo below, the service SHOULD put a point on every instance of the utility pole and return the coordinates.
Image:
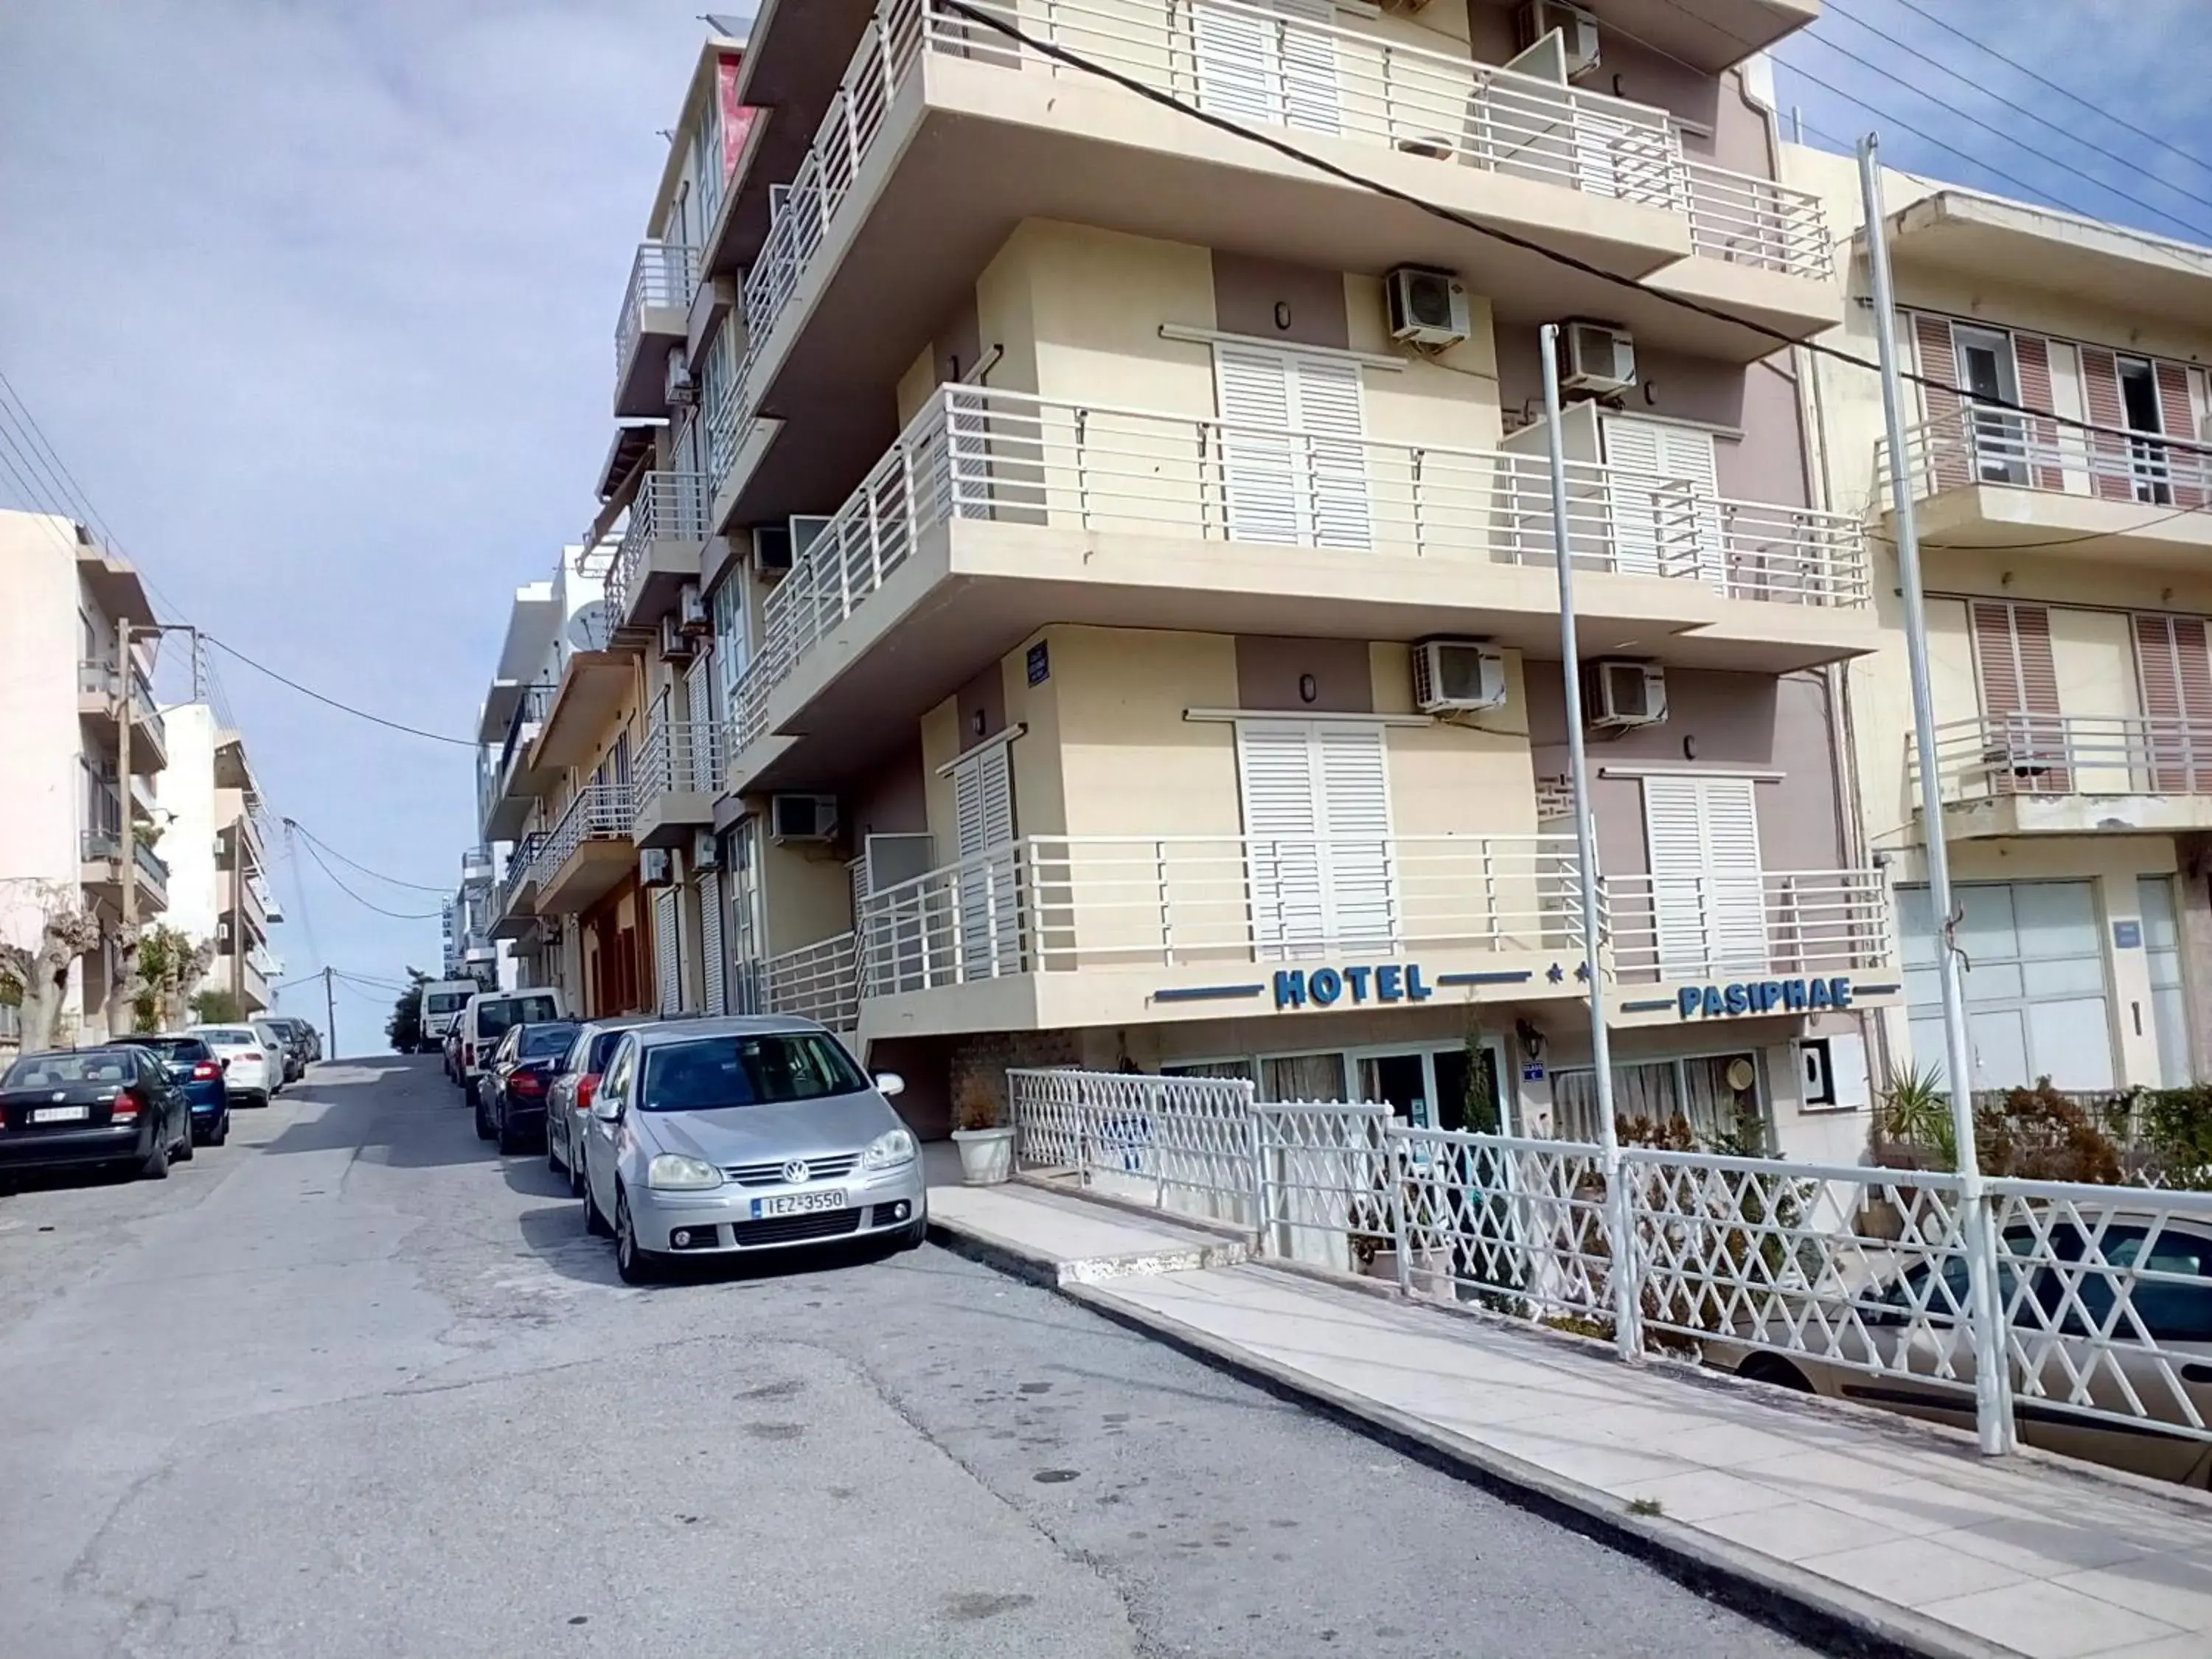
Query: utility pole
(1627, 1313)
(331, 1010)
(238, 911)
(1992, 1407)
(126, 838)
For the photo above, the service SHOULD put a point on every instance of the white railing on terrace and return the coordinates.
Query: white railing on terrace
(818, 981)
(1750, 925)
(2001, 755)
(521, 869)
(598, 811)
(2103, 1294)
(670, 507)
(1061, 903)
(663, 276)
(1270, 71)
(681, 755)
(1972, 445)
(1013, 458)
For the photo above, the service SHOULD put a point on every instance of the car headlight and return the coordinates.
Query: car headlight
(671, 1172)
(888, 1149)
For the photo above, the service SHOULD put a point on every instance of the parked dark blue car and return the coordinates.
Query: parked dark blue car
(196, 1069)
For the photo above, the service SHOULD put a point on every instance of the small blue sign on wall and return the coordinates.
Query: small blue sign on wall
(1765, 996)
(1040, 663)
(2127, 935)
(1324, 988)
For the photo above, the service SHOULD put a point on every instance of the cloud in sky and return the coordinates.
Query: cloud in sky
(2142, 60)
(316, 302)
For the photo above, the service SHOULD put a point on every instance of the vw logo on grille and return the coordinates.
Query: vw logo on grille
(796, 1170)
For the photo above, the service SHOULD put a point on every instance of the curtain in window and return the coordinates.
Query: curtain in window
(1239, 1069)
(1302, 1077)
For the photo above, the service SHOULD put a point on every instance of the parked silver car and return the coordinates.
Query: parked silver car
(568, 1110)
(718, 1136)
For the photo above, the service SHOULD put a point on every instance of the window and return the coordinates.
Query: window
(1658, 469)
(1302, 1077)
(732, 651)
(772, 1068)
(543, 1042)
(1237, 1070)
(1256, 68)
(2167, 1311)
(618, 1074)
(1708, 894)
(1316, 804)
(496, 1014)
(1701, 1092)
(1293, 465)
(85, 1065)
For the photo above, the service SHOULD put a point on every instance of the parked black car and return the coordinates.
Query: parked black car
(116, 1106)
(300, 1041)
(511, 1095)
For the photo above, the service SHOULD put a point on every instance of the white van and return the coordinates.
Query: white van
(485, 1017)
(442, 999)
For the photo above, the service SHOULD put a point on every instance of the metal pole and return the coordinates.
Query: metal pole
(331, 1010)
(1992, 1402)
(1627, 1331)
(127, 836)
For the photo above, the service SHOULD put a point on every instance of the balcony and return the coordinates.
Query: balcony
(1031, 512)
(251, 977)
(1055, 931)
(677, 778)
(515, 913)
(587, 850)
(655, 313)
(476, 866)
(99, 854)
(517, 781)
(2071, 775)
(1993, 479)
(944, 133)
(658, 552)
(96, 695)
(819, 983)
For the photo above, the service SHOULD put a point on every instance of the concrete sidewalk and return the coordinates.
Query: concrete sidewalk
(1862, 1531)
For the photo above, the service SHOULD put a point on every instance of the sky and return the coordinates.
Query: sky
(316, 300)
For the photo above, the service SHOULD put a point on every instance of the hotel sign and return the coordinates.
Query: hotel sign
(1764, 996)
(1325, 987)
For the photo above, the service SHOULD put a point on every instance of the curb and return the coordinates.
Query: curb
(1816, 1611)
(980, 1244)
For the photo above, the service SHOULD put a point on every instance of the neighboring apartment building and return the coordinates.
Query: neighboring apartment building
(2064, 556)
(1085, 590)
(209, 810)
(470, 951)
(70, 691)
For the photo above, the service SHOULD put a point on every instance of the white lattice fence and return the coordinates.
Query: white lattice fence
(1183, 1143)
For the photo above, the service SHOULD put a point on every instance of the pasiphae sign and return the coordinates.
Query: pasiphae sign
(1764, 996)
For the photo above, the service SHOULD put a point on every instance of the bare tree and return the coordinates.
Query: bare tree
(38, 973)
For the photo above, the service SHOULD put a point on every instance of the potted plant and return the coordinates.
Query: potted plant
(979, 1129)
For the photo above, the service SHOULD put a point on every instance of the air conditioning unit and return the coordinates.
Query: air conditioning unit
(802, 818)
(772, 547)
(1619, 696)
(676, 645)
(1577, 33)
(691, 612)
(1596, 358)
(705, 850)
(655, 867)
(1427, 308)
(682, 390)
(1452, 676)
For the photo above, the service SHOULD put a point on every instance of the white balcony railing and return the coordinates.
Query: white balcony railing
(684, 756)
(1996, 756)
(1975, 444)
(662, 277)
(818, 981)
(1059, 903)
(1749, 925)
(669, 507)
(599, 811)
(521, 869)
(1261, 67)
(1008, 457)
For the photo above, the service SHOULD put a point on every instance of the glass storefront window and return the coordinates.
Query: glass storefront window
(1700, 1091)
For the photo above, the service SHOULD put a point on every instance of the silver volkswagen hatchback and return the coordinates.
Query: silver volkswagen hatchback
(718, 1136)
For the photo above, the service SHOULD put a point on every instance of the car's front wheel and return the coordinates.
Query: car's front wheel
(636, 1264)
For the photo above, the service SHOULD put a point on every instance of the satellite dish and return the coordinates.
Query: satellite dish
(587, 628)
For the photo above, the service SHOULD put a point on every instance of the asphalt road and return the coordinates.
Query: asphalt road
(355, 1386)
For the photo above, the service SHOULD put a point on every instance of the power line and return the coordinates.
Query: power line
(344, 708)
(338, 882)
(1965, 80)
(309, 835)
(2044, 156)
(2121, 122)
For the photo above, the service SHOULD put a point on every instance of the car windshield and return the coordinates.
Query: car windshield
(494, 1017)
(751, 1069)
(174, 1048)
(231, 1038)
(52, 1071)
(543, 1041)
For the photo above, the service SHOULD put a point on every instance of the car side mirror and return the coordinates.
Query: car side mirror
(608, 1109)
(889, 1083)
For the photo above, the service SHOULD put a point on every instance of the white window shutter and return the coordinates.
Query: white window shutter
(1259, 480)
(1330, 412)
(1708, 891)
(1317, 820)
(668, 961)
(1355, 807)
(713, 970)
(1275, 72)
(990, 897)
